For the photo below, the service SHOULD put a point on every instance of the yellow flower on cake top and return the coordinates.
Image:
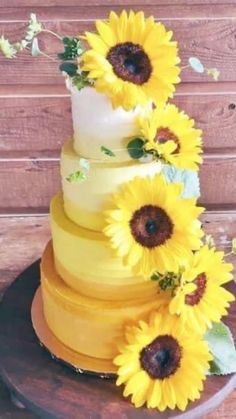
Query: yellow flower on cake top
(152, 227)
(132, 60)
(161, 365)
(171, 134)
(201, 299)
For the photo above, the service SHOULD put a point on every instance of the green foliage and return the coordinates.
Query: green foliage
(168, 281)
(136, 148)
(69, 68)
(7, 49)
(214, 72)
(210, 242)
(234, 246)
(221, 345)
(72, 48)
(34, 27)
(35, 50)
(81, 80)
(76, 177)
(107, 151)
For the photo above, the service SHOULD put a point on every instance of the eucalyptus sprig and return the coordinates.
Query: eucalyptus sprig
(198, 67)
(107, 151)
(136, 149)
(72, 46)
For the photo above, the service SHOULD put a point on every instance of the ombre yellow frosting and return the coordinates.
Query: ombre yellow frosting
(85, 201)
(86, 325)
(85, 256)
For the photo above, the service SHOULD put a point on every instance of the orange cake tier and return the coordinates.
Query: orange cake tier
(87, 325)
(87, 263)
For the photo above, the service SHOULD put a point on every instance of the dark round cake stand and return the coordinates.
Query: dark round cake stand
(52, 390)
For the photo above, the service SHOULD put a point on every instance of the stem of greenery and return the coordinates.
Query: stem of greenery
(44, 54)
(52, 33)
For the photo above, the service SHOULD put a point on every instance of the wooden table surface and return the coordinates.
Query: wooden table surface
(22, 240)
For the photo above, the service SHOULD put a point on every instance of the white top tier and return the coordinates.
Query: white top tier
(97, 124)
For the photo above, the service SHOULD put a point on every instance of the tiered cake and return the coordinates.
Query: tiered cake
(128, 285)
(88, 293)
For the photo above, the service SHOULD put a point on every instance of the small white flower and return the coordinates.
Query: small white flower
(6, 48)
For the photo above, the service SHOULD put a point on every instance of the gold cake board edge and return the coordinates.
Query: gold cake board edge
(79, 362)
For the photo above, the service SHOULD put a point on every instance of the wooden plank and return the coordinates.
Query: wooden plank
(101, 11)
(55, 90)
(211, 40)
(23, 239)
(217, 180)
(22, 242)
(126, 3)
(34, 126)
(26, 184)
(216, 116)
(38, 126)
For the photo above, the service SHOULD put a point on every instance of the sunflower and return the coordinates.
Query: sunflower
(161, 365)
(171, 133)
(201, 299)
(151, 227)
(132, 60)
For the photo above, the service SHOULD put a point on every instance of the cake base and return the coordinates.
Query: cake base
(51, 390)
(79, 362)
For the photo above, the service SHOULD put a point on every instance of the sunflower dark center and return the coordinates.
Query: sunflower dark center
(195, 296)
(130, 62)
(161, 358)
(151, 226)
(165, 134)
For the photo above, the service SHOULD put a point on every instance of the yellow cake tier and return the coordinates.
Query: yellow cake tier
(86, 325)
(87, 263)
(85, 201)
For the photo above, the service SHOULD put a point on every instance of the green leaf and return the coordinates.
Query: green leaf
(234, 246)
(136, 148)
(156, 276)
(34, 27)
(221, 345)
(209, 240)
(196, 64)
(214, 72)
(107, 151)
(80, 80)
(76, 177)
(35, 50)
(7, 49)
(72, 48)
(69, 68)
